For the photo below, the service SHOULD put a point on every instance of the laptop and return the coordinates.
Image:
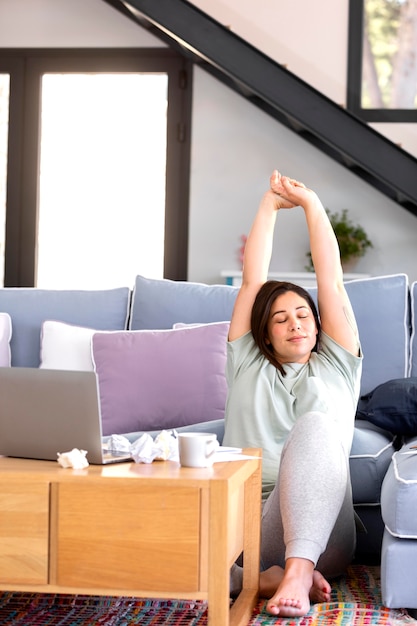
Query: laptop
(43, 412)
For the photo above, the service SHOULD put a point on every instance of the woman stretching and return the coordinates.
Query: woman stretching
(294, 375)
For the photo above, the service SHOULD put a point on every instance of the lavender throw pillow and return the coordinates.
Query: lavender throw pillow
(157, 379)
(5, 336)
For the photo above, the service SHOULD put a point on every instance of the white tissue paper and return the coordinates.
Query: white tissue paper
(118, 443)
(75, 458)
(145, 449)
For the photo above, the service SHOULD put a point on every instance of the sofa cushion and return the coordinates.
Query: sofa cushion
(399, 575)
(152, 380)
(368, 544)
(213, 426)
(105, 309)
(399, 493)
(392, 406)
(65, 346)
(369, 459)
(161, 303)
(5, 336)
(413, 346)
(379, 304)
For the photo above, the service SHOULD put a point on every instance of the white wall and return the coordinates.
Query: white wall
(235, 146)
(232, 159)
(296, 33)
(66, 24)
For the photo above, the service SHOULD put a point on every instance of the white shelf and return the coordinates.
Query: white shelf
(304, 279)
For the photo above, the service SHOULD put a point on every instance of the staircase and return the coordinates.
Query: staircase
(278, 92)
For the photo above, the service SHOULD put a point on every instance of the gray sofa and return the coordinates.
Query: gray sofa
(160, 377)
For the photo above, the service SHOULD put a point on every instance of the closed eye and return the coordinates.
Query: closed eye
(302, 313)
(282, 321)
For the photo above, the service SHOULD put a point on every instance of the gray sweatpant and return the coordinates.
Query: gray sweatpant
(309, 514)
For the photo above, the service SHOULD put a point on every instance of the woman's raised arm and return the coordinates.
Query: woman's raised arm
(257, 257)
(336, 314)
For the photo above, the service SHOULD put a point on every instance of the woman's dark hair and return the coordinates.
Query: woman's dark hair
(261, 312)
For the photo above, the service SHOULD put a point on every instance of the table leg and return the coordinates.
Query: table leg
(219, 571)
(219, 613)
(244, 604)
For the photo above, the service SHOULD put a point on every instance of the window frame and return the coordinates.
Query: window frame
(354, 74)
(25, 67)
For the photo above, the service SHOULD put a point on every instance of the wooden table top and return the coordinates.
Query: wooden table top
(35, 470)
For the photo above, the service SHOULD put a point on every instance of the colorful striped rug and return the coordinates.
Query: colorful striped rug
(356, 601)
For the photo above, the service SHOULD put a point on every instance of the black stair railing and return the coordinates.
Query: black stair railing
(281, 94)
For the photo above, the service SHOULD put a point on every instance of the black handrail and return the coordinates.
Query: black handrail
(274, 89)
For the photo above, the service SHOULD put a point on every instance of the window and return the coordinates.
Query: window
(102, 171)
(382, 73)
(98, 190)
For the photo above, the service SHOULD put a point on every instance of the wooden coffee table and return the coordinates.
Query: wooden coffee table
(133, 529)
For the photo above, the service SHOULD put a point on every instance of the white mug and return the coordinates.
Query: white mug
(197, 449)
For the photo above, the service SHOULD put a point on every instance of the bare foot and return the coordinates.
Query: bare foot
(271, 578)
(298, 583)
(321, 590)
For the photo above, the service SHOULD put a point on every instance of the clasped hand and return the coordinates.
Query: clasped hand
(290, 192)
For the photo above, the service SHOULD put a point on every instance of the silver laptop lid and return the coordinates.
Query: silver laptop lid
(43, 412)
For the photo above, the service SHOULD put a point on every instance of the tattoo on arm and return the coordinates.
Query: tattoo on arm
(352, 322)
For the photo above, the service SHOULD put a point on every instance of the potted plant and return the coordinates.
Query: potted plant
(352, 239)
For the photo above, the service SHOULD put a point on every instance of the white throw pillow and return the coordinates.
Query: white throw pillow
(66, 347)
(5, 337)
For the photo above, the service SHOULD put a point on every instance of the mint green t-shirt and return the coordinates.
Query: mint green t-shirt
(262, 405)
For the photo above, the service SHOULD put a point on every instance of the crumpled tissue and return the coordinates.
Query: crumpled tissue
(145, 449)
(75, 458)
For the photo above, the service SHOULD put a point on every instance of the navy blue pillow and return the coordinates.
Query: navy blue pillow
(392, 406)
